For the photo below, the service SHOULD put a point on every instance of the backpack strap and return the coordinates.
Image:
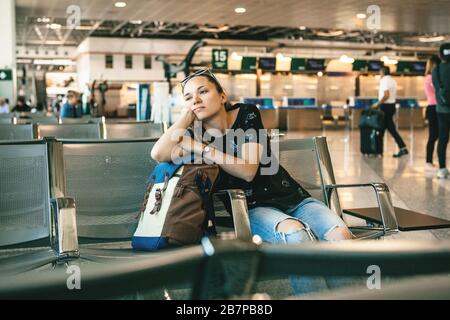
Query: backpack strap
(204, 186)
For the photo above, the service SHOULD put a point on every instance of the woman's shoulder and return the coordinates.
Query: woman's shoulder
(248, 116)
(245, 109)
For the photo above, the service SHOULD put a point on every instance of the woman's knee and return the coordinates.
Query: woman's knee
(289, 225)
(292, 231)
(339, 233)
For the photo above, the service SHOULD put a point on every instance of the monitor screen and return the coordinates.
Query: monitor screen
(414, 67)
(418, 67)
(359, 65)
(375, 65)
(315, 64)
(248, 64)
(301, 102)
(267, 63)
(259, 102)
(298, 64)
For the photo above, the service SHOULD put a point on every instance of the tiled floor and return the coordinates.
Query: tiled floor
(411, 187)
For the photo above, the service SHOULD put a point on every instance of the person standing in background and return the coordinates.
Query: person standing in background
(387, 96)
(431, 115)
(4, 107)
(72, 108)
(21, 105)
(441, 83)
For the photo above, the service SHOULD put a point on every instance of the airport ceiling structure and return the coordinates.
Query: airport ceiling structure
(420, 23)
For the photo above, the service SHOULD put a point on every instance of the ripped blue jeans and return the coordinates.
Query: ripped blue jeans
(318, 221)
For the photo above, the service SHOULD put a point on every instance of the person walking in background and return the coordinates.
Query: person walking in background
(441, 83)
(4, 107)
(431, 115)
(21, 105)
(387, 96)
(72, 108)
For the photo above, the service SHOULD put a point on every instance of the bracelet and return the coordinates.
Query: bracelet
(205, 149)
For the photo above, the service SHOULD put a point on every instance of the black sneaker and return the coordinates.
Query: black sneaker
(402, 152)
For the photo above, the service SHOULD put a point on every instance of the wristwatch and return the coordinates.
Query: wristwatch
(206, 149)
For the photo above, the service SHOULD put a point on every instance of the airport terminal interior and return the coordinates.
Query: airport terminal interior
(354, 100)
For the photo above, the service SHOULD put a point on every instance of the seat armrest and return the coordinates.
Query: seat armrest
(239, 211)
(384, 201)
(63, 235)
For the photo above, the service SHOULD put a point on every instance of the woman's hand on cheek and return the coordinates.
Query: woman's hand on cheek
(188, 116)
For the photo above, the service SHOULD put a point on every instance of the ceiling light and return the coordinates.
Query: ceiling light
(84, 27)
(281, 57)
(136, 21)
(330, 33)
(361, 16)
(240, 10)
(236, 56)
(24, 61)
(120, 4)
(432, 39)
(346, 59)
(388, 60)
(214, 30)
(54, 26)
(302, 28)
(43, 19)
(61, 62)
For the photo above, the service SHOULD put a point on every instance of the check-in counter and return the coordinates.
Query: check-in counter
(282, 118)
(355, 116)
(296, 103)
(409, 114)
(303, 118)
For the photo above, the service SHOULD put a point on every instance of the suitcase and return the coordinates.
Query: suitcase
(371, 141)
(372, 118)
(371, 123)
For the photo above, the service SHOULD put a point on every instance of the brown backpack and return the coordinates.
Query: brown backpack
(178, 208)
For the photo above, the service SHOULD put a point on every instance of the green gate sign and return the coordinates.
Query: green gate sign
(5, 74)
(220, 59)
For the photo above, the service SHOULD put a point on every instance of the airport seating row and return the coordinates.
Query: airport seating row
(107, 179)
(109, 130)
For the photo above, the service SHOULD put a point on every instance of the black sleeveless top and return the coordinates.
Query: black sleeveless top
(272, 185)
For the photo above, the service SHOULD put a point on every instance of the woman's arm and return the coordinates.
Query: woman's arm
(244, 168)
(166, 148)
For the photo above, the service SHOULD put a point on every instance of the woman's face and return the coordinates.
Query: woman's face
(202, 97)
